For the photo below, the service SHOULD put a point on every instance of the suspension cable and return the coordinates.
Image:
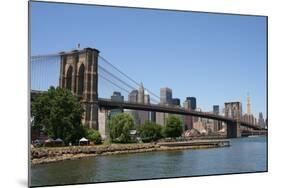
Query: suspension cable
(113, 83)
(114, 76)
(41, 58)
(124, 74)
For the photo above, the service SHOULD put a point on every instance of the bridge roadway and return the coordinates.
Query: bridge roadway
(109, 104)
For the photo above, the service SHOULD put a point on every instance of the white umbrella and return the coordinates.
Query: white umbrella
(83, 140)
(59, 140)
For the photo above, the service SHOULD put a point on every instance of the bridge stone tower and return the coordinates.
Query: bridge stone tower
(233, 110)
(79, 73)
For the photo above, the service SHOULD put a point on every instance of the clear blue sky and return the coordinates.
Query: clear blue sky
(214, 57)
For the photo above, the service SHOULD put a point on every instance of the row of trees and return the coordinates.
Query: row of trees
(121, 125)
(58, 113)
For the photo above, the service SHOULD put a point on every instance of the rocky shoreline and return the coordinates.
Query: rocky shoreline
(54, 154)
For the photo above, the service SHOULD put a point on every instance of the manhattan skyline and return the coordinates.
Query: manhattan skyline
(213, 57)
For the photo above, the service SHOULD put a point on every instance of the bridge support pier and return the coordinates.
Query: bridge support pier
(233, 130)
(90, 117)
(103, 123)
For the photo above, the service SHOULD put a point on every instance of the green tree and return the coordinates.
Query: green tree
(59, 113)
(120, 126)
(150, 131)
(173, 127)
(94, 136)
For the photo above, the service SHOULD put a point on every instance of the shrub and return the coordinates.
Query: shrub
(173, 127)
(94, 136)
(119, 128)
(150, 131)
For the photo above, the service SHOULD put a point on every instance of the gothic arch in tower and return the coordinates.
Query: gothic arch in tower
(69, 77)
(81, 72)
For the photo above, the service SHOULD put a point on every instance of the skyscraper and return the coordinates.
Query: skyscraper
(143, 115)
(165, 95)
(165, 99)
(176, 102)
(217, 124)
(152, 117)
(141, 94)
(192, 101)
(133, 98)
(160, 118)
(146, 99)
(248, 105)
(138, 96)
(119, 98)
(249, 117)
(187, 120)
(261, 121)
(189, 104)
(216, 109)
(116, 96)
(200, 123)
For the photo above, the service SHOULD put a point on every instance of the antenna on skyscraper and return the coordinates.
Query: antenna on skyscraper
(248, 104)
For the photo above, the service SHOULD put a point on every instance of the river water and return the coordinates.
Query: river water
(244, 155)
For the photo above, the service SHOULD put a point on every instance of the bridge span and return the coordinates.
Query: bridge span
(233, 125)
(109, 104)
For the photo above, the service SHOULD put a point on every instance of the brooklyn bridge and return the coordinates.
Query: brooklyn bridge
(80, 70)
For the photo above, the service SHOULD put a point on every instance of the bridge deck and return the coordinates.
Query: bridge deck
(109, 104)
(105, 103)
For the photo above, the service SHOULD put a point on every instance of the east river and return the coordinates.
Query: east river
(244, 155)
